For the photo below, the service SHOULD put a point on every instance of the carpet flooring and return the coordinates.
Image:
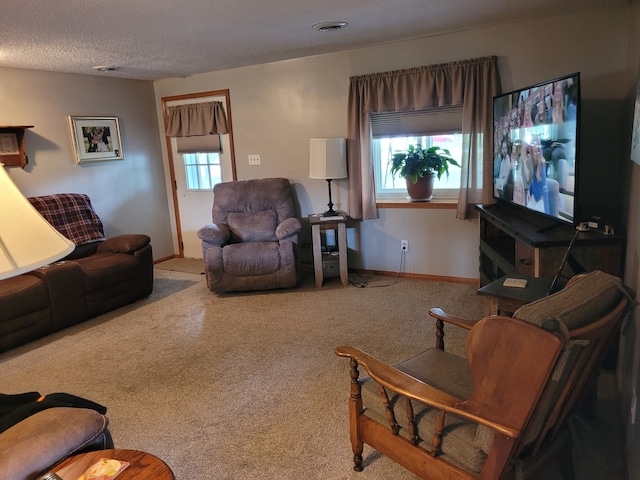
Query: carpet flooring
(186, 265)
(247, 386)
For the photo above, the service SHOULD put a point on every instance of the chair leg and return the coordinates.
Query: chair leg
(355, 410)
(439, 334)
(357, 460)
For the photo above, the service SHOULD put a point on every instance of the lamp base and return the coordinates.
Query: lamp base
(331, 213)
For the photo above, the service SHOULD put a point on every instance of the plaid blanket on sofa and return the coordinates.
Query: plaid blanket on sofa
(72, 215)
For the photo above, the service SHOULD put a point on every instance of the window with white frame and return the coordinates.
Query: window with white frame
(202, 170)
(395, 131)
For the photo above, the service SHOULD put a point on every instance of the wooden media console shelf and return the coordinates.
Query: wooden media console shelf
(513, 240)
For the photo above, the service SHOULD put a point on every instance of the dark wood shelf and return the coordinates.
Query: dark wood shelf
(19, 159)
(516, 241)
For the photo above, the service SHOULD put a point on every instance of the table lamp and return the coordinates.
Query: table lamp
(328, 161)
(27, 240)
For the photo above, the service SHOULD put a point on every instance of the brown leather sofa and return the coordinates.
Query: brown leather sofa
(98, 276)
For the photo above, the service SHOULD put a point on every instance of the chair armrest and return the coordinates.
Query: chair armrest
(124, 243)
(288, 227)
(439, 314)
(216, 234)
(397, 381)
(42, 440)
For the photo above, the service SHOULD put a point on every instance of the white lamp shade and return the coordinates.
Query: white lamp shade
(328, 158)
(27, 240)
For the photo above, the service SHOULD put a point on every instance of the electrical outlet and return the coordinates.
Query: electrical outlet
(404, 245)
(254, 159)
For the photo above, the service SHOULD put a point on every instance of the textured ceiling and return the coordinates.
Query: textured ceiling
(155, 39)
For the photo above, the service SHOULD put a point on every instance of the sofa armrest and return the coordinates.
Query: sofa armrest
(215, 234)
(129, 243)
(287, 228)
(40, 441)
(67, 299)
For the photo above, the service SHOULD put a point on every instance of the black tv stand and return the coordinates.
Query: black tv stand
(514, 240)
(551, 227)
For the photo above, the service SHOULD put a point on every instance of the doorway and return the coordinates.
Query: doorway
(192, 208)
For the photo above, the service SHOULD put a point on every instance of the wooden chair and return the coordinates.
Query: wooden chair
(499, 412)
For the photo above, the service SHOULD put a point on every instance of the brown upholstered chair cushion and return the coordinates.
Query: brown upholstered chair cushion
(576, 305)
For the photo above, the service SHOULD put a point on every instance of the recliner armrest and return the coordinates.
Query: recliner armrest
(216, 234)
(128, 243)
(40, 441)
(288, 227)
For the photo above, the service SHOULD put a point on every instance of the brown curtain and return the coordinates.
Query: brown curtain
(194, 119)
(470, 83)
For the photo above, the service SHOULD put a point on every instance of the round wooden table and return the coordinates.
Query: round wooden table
(141, 465)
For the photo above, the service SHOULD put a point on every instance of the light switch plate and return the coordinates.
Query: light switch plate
(254, 159)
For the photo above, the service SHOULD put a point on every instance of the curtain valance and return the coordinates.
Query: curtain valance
(194, 119)
(419, 88)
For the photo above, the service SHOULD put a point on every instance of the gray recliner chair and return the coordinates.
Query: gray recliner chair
(252, 242)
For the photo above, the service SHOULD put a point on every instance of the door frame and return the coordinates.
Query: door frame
(172, 173)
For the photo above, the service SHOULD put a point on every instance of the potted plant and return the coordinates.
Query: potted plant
(420, 167)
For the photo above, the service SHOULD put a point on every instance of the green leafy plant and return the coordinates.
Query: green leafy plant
(420, 162)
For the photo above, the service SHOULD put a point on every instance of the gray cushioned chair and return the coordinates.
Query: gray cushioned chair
(252, 242)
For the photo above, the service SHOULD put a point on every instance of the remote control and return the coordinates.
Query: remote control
(514, 282)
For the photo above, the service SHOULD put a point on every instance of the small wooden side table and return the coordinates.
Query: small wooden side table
(320, 224)
(142, 465)
(500, 300)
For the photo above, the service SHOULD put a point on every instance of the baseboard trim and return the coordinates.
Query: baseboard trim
(164, 259)
(419, 276)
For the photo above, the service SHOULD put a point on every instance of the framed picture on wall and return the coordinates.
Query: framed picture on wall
(95, 139)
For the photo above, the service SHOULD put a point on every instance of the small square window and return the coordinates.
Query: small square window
(202, 170)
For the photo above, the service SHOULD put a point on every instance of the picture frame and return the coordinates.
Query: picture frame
(95, 139)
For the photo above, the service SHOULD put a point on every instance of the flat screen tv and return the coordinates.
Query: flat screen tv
(535, 147)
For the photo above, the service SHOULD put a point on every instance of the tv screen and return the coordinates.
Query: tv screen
(535, 147)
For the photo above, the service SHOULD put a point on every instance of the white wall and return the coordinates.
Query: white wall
(128, 195)
(277, 107)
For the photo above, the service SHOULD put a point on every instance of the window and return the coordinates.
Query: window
(202, 170)
(395, 131)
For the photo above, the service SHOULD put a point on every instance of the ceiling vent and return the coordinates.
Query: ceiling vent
(329, 26)
(105, 68)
